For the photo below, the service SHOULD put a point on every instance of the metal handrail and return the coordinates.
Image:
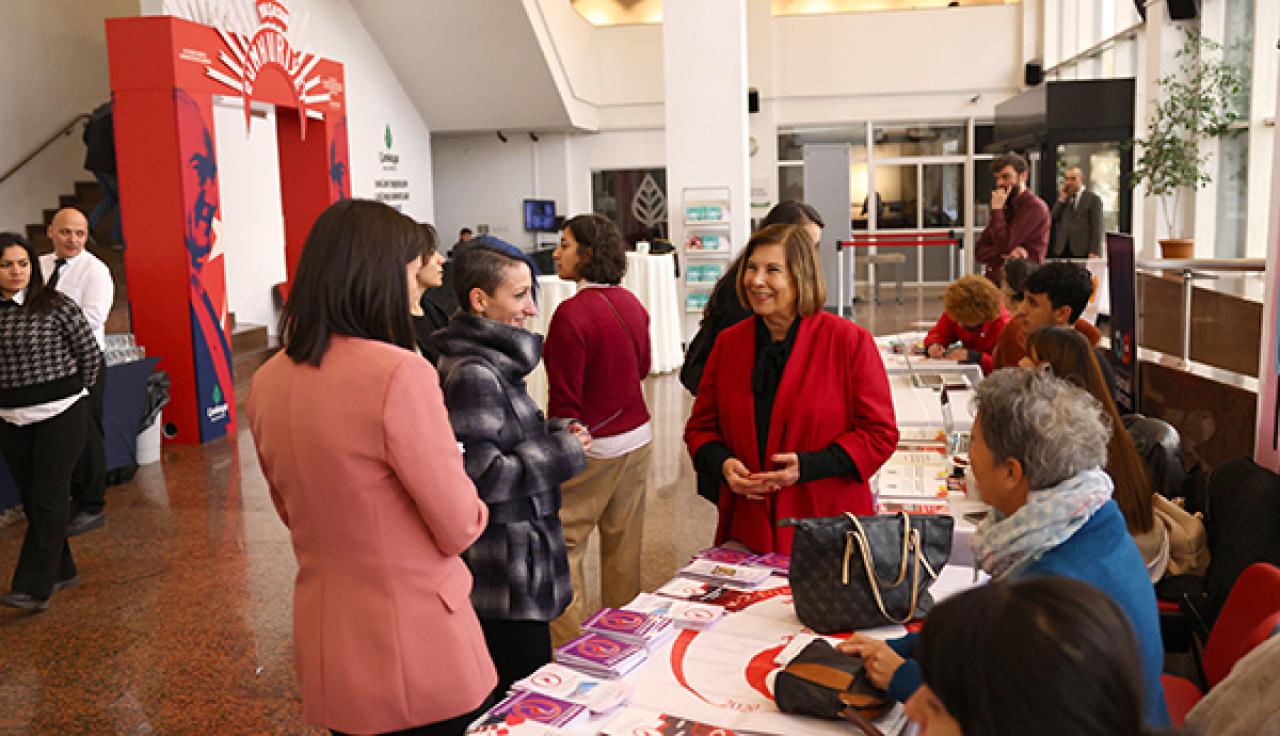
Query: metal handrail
(1191, 269)
(888, 238)
(65, 130)
(1209, 265)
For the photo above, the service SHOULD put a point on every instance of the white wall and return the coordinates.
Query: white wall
(482, 180)
(810, 70)
(616, 149)
(375, 99)
(252, 232)
(567, 42)
(51, 72)
(899, 54)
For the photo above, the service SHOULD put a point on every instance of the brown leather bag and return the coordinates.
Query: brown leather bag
(823, 682)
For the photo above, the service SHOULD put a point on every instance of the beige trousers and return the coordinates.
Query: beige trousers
(609, 494)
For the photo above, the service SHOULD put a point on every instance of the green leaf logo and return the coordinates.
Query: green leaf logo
(388, 137)
(217, 395)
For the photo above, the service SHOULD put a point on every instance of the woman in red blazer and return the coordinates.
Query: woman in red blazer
(355, 443)
(793, 414)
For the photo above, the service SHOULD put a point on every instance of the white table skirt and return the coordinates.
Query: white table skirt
(653, 280)
(552, 290)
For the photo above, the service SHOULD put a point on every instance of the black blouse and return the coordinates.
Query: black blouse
(433, 318)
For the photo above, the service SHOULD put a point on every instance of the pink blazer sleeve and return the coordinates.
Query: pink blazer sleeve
(422, 451)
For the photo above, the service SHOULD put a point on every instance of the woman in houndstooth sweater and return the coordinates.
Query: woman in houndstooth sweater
(48, 356)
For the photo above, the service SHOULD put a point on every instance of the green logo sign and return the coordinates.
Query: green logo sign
(217, 395)
(388, 137)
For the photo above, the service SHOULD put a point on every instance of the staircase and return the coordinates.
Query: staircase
(250, 344)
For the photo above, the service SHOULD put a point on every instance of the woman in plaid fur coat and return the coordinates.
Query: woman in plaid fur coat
(515, 458)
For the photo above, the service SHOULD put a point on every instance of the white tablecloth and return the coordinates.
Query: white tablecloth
(653, 280)
(551, 291)
(720, 676)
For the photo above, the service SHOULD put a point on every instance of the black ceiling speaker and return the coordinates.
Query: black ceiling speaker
(753, 100)
(1033, 74)
(1183, 9)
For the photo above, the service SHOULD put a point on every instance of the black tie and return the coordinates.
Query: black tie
(57, 271)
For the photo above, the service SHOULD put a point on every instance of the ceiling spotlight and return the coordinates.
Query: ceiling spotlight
(502, 137)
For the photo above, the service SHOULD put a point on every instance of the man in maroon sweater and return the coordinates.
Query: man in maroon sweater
(1019, 224)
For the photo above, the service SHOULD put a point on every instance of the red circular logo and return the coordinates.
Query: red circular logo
(599, 648)
(548, 679)
(537, 708)
(622, 619)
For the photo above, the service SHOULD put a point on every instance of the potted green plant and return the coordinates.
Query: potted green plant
(1197, 103)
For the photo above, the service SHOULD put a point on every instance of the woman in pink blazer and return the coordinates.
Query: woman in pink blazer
(355, 443)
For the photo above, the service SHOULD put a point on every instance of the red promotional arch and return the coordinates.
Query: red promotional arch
(165, 73)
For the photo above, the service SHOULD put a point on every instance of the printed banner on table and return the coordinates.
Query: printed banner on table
(1123, 355)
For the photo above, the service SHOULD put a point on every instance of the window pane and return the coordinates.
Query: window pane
(897, 203)
(943, 209)
(635, 199)
(1239, 42)
(895, 199)
(1233, 183)
(791, 142)
(1100, 163)
(791, 183)
(919, 139)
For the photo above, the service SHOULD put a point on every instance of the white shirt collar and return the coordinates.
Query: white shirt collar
(20, 297)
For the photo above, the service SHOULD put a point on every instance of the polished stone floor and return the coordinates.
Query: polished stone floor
(182, 622)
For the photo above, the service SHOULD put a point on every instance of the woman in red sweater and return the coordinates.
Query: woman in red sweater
(596, 354)
(794, 411)
(974, 316)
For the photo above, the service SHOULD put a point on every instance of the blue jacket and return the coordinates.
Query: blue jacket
(1102, 554)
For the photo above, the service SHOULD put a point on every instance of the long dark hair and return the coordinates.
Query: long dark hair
(38, 299)
(788, 212)
(351, 280)
(1073, 359)
(1052, 656)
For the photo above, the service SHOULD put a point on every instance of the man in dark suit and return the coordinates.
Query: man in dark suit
(1077, 219)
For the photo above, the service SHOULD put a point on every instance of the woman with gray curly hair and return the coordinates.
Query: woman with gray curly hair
(1039, 446)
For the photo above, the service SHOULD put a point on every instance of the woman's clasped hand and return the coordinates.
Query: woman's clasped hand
(755, 486)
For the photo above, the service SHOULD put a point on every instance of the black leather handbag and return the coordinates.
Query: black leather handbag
(857, 572)
(822, 682)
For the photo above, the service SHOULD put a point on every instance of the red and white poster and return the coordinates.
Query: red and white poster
(164, 74)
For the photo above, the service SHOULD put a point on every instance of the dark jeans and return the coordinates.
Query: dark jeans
(89, 479)
(452, 727)
(110, 185)
(518, 648)
(41, 457)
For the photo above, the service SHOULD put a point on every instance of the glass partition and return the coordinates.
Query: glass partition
(920, 139)
(1100, 163)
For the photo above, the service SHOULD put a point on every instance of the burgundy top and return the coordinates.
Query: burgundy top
(1023, 221)
(595, 364)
